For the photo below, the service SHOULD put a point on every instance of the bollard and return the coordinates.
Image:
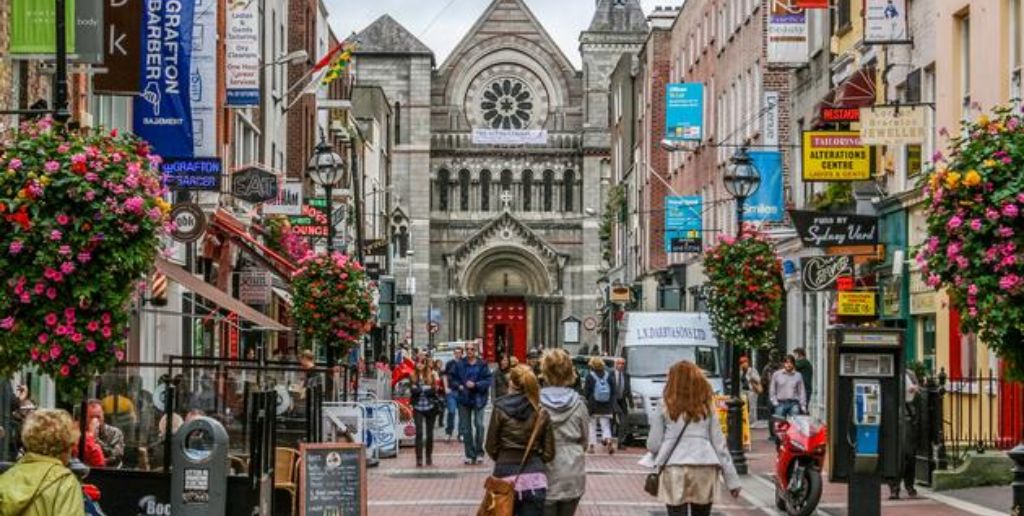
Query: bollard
(1017, 455)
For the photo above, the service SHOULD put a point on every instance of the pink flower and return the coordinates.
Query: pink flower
(51, 319)
(955, 222)
(39, 288)
(64, 250)
(1009, 282)
(84, 257)
(7, 323)
(51, 166)
(962, 262)
(89, 196)
(76, 337)
(55, 351)
(14, 164)
(78, 158)
(91, 177)
(1005, 232)
(953, 249)
(56, 235)
(90, 346)
(134, 204)
(72, 360)
(972, 289)
(972, 311)
(933, 280)
(51, 293)
(15, 247)
(105, 318)
(65, 370)
(92, 326)
(975, 224)
(63, 148)
(991, 214)
(43, 338)
(63, 330)
(1010, 211)
(34, 354)
(106, 332)
(63, 219)
(69, 313)
(119, 354)
(1009, 261)
(67, 267)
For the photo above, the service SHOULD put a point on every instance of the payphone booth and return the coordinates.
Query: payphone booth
(865, 392)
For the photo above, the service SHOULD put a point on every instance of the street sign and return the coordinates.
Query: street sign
(189, 222)
(433, 327)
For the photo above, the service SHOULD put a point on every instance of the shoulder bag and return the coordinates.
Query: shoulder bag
(500, 494)
(653, 480)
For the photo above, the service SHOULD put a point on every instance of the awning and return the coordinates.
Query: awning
(236, 232)
(855, 92)
(284, 295)
(217, 296)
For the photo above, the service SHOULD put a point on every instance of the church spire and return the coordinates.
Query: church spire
(618, 16)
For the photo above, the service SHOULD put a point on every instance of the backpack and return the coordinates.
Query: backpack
(602, 389)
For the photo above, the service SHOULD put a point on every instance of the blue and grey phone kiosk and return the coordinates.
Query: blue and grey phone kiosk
(865, 392)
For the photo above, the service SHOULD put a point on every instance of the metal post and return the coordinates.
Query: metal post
(60, 78)
(1017, 455)
(735, 404)
(329, 191)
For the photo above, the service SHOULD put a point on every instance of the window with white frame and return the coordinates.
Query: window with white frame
(708, 32)
(964, 53)
(245, 141)
(1016, 20)
(112, 112)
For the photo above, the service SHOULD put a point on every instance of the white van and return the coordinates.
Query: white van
(653, 342)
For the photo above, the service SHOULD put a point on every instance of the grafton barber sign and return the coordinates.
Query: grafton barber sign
(832, 229)
(821, 272)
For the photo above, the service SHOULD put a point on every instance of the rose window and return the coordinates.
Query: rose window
(507, 104)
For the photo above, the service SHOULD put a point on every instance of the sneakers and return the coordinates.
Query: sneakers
(468, 461)
(448, 438)
(911, 492)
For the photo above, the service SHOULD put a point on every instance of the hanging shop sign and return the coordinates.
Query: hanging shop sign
(891, 125)
(820, 273)
(684, 111)
(89, 32)
(923, 299)
(684, 223)
(288, 201)
(892, 299)
(311, 222)
(766, 205)
(838, 114)
(817, 229)
(855, 304)
(377, 247)
(885, 22)
(32, 27)
(122, 48)
(189, 222)
(254, 287)
(192, 174)
(787, 34)
(770, 122)
(620, 294)
(510, 136)
(242, 70)
(835, 156)
(254, 185)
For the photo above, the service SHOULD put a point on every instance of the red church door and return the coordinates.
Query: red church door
(505, 328)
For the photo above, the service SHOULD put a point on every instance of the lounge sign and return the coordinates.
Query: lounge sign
(820, 273)
(834, 229)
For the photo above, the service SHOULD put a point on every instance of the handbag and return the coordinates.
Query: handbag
(653, 480)
(500, 494)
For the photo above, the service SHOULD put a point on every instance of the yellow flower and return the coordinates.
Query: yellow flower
(989, 163)
(45, 180)
(972, 179)
(952, 179)
(163, 205)
(983, 120)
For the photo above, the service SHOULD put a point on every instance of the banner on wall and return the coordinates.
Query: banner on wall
(684, 223)
(684, 111)
(766, 205)
(787, 34)
(33, 24)
(122, 48)
(510, 136)
(885, 22)
(243, 54)
(176, 110)
(835, 156)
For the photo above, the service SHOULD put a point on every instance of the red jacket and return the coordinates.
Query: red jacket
(93, 456)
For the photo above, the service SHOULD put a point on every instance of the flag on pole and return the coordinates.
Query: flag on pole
(338, 68)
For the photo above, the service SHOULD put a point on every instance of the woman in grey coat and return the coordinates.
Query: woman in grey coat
(569, 418)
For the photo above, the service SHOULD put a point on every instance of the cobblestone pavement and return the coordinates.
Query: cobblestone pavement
(614, 487)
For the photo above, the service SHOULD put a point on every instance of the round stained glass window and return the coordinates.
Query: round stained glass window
(507, 104)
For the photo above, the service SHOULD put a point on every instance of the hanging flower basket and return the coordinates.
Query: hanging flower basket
(745, 301)
(333, 301)
(81, 214)
(976, 231)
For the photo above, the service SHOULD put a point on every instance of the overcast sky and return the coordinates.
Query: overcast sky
(441, 24)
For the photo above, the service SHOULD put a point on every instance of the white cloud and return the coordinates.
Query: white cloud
(441, 24)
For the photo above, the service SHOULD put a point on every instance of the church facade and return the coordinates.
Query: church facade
(500, 164)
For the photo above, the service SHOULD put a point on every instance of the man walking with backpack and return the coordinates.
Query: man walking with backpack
(600, 392)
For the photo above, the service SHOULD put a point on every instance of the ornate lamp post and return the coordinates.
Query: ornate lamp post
(741, 181)
(325, 169)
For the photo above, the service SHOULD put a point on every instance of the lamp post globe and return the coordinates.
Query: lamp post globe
(325, 166)
(742, 179)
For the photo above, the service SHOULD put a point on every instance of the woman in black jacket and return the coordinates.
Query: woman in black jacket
(427, 393)
(512, 423)
(599, 390)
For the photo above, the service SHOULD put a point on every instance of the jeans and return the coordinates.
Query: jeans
(561, 507)
(424, 422)
(452, 409)
(530, 503)
(471, 419)
(690, 509)
(605, 422)
(785, 408)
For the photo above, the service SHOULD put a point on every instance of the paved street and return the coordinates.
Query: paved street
(615, 487)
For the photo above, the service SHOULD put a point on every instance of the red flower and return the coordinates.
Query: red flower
(20, 218)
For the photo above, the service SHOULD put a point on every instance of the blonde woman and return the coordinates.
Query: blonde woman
(687, 438)
(512, 423)
(40, 484)
(426, 400)
(567, 478)
(599, 388)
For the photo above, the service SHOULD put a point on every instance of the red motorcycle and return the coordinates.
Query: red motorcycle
(802, 445)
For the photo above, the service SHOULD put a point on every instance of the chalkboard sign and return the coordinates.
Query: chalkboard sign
(333, 480)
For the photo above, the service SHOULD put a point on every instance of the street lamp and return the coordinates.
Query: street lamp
(741, 181)
(325, 170)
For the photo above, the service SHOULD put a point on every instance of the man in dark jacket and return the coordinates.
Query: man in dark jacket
(623, 399)
(471, 378)
(806, 370)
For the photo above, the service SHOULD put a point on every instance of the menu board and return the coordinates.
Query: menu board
(333, 480)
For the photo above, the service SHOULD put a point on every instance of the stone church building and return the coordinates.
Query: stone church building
(499, 166)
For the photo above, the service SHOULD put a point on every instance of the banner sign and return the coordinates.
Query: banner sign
(243, 54)
(288, 202)
(684, 223)
(819, 273)
(787, 34)
(254, 287)
(835, 156)
(510, 136)
(254, 185)
(889, 125)
(684, 111)
(856, 304)
(818, 229)
(770, 122)
(766, 204)
(89, 32)
(834, 114)
(199, 174)
(122, 48)
(33, 24)
(885, 22)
